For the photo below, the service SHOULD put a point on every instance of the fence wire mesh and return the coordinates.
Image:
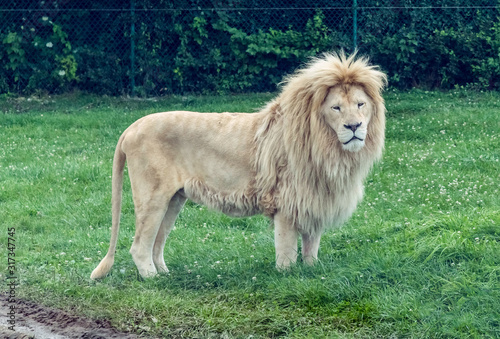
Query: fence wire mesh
(152, 48)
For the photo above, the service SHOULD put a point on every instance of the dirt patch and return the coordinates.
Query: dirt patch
(36, 321)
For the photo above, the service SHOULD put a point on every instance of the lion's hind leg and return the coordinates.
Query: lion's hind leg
(147, 225)
(174, 207)
(152, 192)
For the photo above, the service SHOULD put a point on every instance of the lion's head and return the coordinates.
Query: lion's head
(342, 93)
(348, 110)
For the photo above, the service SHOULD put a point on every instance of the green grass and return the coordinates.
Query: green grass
(420, 258)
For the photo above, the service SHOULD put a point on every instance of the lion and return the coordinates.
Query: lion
(301, 161)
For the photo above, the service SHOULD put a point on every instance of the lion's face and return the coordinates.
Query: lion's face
(348, 110)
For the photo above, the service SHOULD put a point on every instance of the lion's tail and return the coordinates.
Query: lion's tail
(116, 201)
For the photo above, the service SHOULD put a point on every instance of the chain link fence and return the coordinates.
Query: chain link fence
(154, 48)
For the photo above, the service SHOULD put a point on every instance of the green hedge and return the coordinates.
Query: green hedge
(188, 48)
(437, 48)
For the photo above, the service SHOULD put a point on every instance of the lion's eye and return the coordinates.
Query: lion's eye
(336, 108)
(361, 104)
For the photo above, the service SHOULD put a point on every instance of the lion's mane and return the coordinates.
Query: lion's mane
(301, 169)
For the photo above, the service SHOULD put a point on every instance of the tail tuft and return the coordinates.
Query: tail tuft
(103, 268)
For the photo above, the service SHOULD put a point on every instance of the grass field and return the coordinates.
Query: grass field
(420, 258)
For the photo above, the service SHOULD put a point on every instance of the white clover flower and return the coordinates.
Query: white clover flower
(62, 72)
(45, 18)
(49, 44)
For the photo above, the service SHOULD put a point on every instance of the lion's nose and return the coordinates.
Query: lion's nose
(353, 127)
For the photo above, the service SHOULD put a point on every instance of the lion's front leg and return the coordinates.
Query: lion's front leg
(310, 247)
(285, 240)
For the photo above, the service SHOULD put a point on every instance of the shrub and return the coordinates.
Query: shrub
(434, 48)
(39, 59)
(487, 67)
(205, 47)
(217, 57)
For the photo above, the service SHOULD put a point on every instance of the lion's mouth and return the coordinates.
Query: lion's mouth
(353, 138)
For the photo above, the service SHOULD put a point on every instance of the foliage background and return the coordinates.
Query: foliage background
(152, 48)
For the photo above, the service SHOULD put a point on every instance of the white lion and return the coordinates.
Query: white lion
(301, 161)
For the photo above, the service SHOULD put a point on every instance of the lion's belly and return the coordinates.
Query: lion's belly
(236, 203)
(221, 185)
(218, 173)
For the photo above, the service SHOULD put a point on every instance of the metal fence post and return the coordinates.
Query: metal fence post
(132, 48)
(355, 24)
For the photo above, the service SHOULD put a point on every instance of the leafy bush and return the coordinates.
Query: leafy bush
(487, 69)
(435, 48)
(206, 47)
(38, 59)
(442, 59)
(217, 57)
